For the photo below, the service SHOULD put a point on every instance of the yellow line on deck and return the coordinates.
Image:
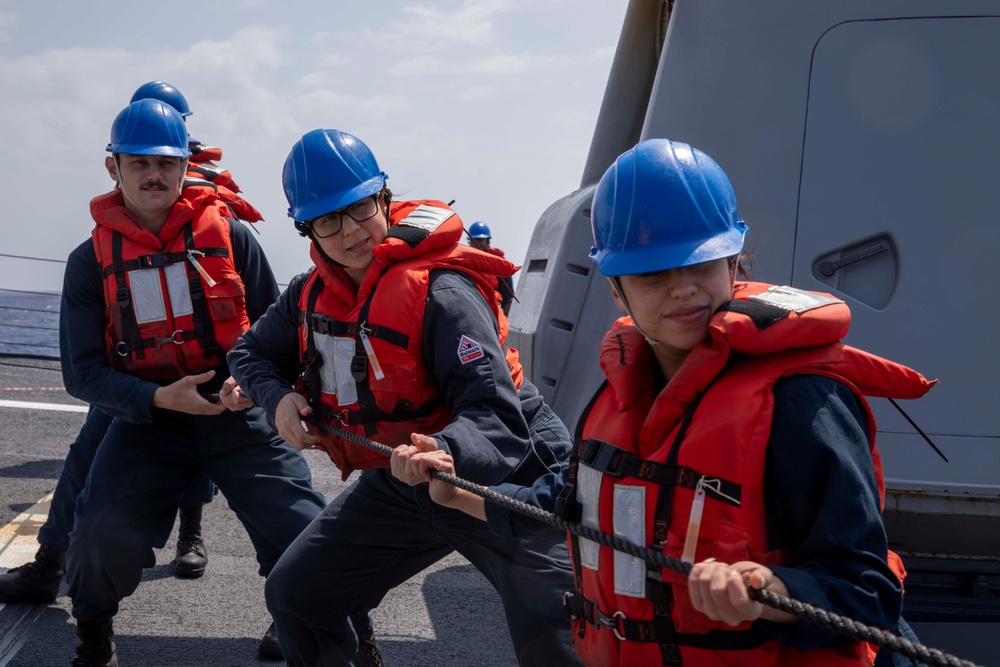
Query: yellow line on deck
(19, 538)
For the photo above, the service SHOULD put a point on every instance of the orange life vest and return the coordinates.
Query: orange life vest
(164, 318)
(363, 350)
(644, 458)
(202, 166)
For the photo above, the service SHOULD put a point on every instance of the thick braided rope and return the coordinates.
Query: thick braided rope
(811, 613)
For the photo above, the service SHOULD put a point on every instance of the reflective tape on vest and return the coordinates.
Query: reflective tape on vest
(335, 372)
(147, 293)
(427, 218)
(630, 524)
(588, 493)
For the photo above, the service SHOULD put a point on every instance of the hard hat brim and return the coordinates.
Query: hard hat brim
(138, 149)
(339, 200)
(613, 263)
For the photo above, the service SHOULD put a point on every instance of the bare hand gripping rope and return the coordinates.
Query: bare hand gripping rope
(811, 613)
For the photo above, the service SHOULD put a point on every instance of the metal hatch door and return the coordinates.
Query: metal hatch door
(898, 214)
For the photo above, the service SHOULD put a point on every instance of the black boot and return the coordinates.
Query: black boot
(37, 581)
(269, 647)
(96, 647)
(192, 557)
(368, 654)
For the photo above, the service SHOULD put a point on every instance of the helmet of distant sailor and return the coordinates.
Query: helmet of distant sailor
(149, 127)
(479, 230)
(328, 170)
(163, 91)
(663, 205)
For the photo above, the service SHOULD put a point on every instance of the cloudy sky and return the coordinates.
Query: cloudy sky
(491, 103)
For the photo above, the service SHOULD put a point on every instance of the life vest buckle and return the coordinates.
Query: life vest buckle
(618, 617)
(176, 338)
(566, 507)
(121, 296)
(340, 416)
(359, 367)
(154, 260)
(573, 606)
(613, 622)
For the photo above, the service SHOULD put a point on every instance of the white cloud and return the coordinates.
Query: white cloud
(8, 21)
(419, 66)
(502, 64)
(496, 110)
(240, 57)
(427, 27)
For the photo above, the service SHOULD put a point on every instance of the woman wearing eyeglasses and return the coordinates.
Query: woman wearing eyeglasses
(397, 331)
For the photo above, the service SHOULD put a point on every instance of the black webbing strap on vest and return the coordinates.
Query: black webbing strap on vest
(569, 509)
(201, 312)
(762, 315)
(661, 595)
(199, 183)
(156, 260)
(208, 172)
(609, 459)
(368, 413)
(627, 629)
(312, 361)
(331, 327)
(129, 331)
(131, 342)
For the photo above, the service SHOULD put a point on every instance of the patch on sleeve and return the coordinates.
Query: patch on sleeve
(427, 218)
(469, 350)
(790, 298)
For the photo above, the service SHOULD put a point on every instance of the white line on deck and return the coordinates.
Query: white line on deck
(28, 405)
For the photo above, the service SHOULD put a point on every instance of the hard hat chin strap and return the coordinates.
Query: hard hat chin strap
(628, 310)
(118, 168)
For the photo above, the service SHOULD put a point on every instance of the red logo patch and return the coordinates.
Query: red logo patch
(469, 350)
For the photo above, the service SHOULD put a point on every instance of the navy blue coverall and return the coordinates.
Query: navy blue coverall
(380, 532)
(149, 456)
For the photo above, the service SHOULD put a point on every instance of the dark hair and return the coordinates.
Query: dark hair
(743, 263)
(303, 229)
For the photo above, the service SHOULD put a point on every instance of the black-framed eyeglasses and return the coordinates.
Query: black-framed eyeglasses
(333, 222)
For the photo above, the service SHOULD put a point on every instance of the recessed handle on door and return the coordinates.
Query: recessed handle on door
(827, 268)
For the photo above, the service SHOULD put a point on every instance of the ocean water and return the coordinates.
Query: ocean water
(29, 324)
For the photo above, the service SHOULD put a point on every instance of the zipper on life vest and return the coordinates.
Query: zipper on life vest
(199, 268)
(369, 350)
(694, 522)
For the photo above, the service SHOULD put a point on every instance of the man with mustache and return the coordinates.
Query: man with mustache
(151, 304)
(38, 581)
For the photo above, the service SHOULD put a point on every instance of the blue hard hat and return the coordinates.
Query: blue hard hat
(663, 205)
(149, 127)
(327, 170)
(160, 90)
(479, 230)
